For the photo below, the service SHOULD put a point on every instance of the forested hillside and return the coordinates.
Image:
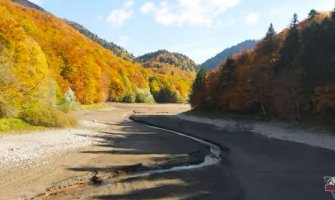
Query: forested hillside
(221, 57)
(45, 63)
(161, 58)
(28, 4)
(290, 75)
(117, 50)
(164, 64)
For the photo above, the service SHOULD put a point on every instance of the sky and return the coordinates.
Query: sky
(197, 28)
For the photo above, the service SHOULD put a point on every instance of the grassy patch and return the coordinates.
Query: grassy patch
(13, 125)
(47, 116)
(93, 106)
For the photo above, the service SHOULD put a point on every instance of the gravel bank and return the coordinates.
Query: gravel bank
(31, 148)
(280, 131)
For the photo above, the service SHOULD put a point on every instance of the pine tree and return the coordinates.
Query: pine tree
(201, 75)
(291, 45)
(227, 72)
(269, 43)
(312, 14)
(198, 93)
(294, 21)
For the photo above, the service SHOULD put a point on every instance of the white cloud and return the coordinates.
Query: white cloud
(252, 19)
(148, 8)
(37, 2)
(188, 12)
(118, 17)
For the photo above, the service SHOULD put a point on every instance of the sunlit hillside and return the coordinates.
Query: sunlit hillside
(42, 58)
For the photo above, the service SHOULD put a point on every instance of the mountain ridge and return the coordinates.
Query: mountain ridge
(160, 57)
(29, 4)
(223, 55)
(116, 49)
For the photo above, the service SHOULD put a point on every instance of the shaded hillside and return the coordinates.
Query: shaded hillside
(221, 57)
(117, 50)
(290, 75)
(162, 58)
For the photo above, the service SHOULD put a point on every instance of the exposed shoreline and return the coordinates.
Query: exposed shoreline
(281, 131)
(112, 149)
(118, 148)
(34, 147)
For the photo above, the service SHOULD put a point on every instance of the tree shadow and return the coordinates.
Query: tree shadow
(137, 139)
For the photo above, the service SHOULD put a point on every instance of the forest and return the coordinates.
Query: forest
(117, 50)
(159, 58)
(48, 67)
(288, 75)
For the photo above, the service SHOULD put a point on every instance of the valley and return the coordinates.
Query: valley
(108, 100)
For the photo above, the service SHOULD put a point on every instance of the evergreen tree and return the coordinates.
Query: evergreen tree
(312, 14)
(227, 72)
(295, 20)
(291, 45)
(200, 78)
(198, 93)
(269, 42)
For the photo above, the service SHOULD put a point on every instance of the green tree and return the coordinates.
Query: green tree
(291, 45)
(198, 88)
(287, 91)
(269, 42)
(227, 72)
(295, 20)
(199, 80)
(263, 70)
(312, 14)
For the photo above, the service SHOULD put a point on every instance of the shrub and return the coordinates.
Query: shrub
(69, 102)
(167, 95)
(7, 125)
(144, 96)
(130, 98)
(5, 109)
(40, 114)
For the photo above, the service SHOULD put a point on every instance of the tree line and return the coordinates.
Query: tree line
(290, 75)
(46, 67)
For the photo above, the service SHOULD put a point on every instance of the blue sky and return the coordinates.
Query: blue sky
(197, 28)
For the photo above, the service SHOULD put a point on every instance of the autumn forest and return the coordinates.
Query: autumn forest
(49, 65)
(289, 75)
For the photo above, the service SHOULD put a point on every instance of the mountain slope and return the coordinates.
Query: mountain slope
(28, 4)
(163, 57)
(288, 76)
(117, 50)
(221, 57)
(44, 61)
